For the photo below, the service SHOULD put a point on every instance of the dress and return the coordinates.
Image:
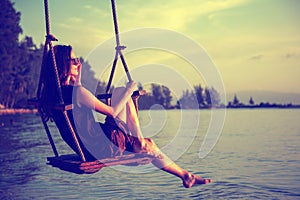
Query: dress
(98, 140)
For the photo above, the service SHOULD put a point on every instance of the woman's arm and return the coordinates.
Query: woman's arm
(85, 97)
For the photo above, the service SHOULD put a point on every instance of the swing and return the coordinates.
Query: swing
(77, 163)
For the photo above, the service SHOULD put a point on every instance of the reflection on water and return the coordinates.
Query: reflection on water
(257, 156)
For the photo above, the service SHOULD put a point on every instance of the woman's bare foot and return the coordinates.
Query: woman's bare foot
(146, 145)
(191, 179)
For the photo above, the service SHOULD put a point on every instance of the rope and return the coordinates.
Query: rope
(49, 39)
(113, 7)
(47, 17)
(118, 48)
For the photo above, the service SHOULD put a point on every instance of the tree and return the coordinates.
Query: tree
(161, 95)
(20, 60)
(188, 100)
(26, 72)
(199, 95)
(157, 94)
(251, 101)
(212, 97)
(146, 101)
(89, 79)
(236, 101)
(9, 50)
(167, 98)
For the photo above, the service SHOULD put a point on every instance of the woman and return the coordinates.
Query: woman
(120, 133)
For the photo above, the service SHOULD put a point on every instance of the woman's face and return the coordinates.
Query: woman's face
(74, 66)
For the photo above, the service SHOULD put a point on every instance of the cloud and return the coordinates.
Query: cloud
(96, 10)
(71, 22)
(174, 14)
(257, 57)
(292, 55)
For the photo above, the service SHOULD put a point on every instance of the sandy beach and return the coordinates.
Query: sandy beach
(7, 111)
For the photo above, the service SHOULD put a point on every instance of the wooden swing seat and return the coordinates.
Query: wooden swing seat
(72, 162)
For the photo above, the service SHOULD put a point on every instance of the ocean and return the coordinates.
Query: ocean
(255, 156)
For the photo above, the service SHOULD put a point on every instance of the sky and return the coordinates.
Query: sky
(254, 44)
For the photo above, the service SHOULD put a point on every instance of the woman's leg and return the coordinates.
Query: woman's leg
(129, 115)
(166, 164)
(116, 96)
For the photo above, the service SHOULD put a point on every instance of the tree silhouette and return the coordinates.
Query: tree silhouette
(199, 95)
(161, 95)
(20, 60)
(9, 52)
(236, 101)
(212, 97)
(251, 101)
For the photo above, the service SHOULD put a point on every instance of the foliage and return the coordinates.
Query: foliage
(159, 94)
(212, 97)
(20, 61)
(199, 98)
(251, 101)
(89, 81)
(188, 100)
(236, 101)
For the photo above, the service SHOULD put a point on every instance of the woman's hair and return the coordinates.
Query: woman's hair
(50, 92)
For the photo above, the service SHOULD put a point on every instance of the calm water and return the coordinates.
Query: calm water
(257, 157)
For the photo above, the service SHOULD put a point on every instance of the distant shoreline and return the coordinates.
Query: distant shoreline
(7, 111)
(11, 111)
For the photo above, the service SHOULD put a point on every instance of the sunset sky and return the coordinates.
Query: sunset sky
(255, 44)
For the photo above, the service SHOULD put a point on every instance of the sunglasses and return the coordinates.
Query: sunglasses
(75, 61)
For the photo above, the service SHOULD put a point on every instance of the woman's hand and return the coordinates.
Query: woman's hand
(77, 81)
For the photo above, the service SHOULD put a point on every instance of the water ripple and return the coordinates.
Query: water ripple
(250, 161)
